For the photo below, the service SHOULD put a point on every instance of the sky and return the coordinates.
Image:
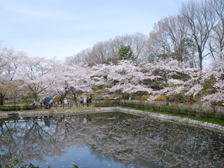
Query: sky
(62, 28)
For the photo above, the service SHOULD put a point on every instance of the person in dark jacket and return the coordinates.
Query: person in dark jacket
(87, 101)
(81, 100)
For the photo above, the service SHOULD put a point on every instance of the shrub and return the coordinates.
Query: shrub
(145, 97)
(160, 98)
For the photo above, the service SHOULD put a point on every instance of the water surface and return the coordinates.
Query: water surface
(108, 140)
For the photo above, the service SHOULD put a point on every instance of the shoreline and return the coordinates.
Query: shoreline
(174, 119)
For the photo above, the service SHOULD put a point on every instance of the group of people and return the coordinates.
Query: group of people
(51, 101)
(86, 100)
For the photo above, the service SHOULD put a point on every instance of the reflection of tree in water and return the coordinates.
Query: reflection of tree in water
(121, 138)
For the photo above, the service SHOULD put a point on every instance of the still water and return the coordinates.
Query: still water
(113, 140)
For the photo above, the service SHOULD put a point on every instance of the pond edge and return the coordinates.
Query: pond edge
(174, 119)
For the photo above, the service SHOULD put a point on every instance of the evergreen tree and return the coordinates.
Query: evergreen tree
(125, 53)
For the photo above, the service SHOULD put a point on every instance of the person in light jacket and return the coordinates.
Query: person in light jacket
(65, 102)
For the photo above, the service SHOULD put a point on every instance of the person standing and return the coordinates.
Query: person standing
(65, 102)
(34, 103)
(90, 99)
(48, 100)
(99, 99)
(54, 102)
(87, 101)
(51, 101)
(45, 101)
(81, 100)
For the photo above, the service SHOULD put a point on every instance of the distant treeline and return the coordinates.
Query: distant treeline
(196, 32)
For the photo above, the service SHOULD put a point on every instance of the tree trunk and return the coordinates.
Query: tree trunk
(75, 95)
(200, 103)
(167, 101)
(35, 96)
(75, 98)
(200, 58)
(2, 99)
(140, 96)
(200, 93)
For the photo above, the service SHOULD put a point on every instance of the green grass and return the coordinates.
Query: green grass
(18, 104)
(209, 120)
(52, 109)
(206, 119)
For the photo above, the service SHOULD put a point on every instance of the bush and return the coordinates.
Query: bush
(160, 98)
(27, 107)
(9, 108)
(59, 99)
(145, 97)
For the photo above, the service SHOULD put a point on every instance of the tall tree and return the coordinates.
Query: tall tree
(108, 51)
(168, 75)
(216, 42)
(200, 19)
(216, 71)
(10, 70)
(124, 77)
(36, 74)
(73, 79)
(125, 53)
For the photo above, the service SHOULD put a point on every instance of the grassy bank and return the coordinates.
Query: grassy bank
(209, 120)
(161, 111)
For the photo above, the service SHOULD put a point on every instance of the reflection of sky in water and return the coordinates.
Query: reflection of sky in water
(79, 156)
(109, 140)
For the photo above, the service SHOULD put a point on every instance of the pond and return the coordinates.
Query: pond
(108, 140)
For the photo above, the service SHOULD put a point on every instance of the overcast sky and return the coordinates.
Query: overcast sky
(62, 28)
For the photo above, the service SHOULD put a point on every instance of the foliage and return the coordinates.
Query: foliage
(20, 160)
(143, 97)
(180, 98)
(185, 47)
(125, 96)
(17, 161)
(160, 98)
(125, 53)
(58, 99)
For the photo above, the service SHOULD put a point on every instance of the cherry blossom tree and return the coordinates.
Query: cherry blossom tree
(194, 81)
(68, 79)
(10, 71)
(36, 74)
(158, 78)
(216, 71)
(129, 79)
(50, 77)
(124, 77)
(81, 81)
(169, 76)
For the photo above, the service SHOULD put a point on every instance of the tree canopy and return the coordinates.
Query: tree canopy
(125, 53)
